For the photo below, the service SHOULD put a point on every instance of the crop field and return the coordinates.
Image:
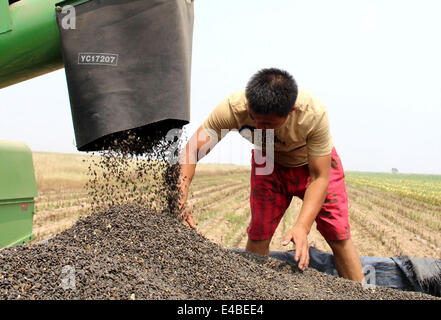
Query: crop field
(62, 196)
(390, 214)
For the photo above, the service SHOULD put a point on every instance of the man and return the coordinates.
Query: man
(304, 164)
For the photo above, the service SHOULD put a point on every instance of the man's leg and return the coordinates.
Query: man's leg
(346, 259)
(258, 246)
(333, 224)
(268, 203)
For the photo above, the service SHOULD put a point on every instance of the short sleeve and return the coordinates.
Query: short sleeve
(319, 141)
(221, 117)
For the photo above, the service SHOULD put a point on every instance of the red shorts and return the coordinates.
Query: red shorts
(271, 195)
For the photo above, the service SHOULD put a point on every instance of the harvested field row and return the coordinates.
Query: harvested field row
(51, 195)
(415, 210)
(410, 203)
(392, 228)
(402, 224)
(41, 206)
(206, 194)
(215, 199)
(218, 226)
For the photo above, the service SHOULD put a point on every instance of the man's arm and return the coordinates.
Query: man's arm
(319, 169)
(190, 155)
(199, 145)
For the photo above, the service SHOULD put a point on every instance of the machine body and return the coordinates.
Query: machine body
(18, 188)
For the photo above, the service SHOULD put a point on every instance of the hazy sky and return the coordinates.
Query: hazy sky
(376, 65)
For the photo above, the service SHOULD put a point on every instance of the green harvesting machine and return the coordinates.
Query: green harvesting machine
(17, 192)
(29, 47)
(127, 65)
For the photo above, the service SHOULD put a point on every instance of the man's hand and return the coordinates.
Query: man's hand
(319, 168)
(187, 217)
(185, 214)
(188, 159)
(299, 236)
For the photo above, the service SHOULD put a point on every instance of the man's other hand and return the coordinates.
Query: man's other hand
(299, 237)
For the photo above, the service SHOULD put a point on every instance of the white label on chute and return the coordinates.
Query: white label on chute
(106, 59)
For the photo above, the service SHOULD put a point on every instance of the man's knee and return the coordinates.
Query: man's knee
(346, 259)
(340, 245)
(258, 246)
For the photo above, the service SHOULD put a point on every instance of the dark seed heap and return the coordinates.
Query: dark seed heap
(128, 252)
(134, 246)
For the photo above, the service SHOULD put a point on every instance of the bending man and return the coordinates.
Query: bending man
(300, 161)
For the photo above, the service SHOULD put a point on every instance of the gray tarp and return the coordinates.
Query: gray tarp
(402, 272)
(127, 65)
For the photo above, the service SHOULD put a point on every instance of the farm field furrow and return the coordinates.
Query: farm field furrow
(394, 197)
(399, 235)
(398, 221)
(375, 228)
(413, 209)
(367, 241)
(59, 204)
(201, 192)
(213, 200)
(217, 228)
(234, 195)
(50, 195)
(237, 232)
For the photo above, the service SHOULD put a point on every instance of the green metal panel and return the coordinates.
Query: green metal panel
(16, 222)
(17, 178)
(5, 20)
(17, 191)
(32, 48)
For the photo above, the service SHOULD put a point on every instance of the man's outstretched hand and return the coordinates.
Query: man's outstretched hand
(187, 217)
(185, 214)
(299, 237)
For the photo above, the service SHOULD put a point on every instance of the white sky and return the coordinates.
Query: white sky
(376, 65)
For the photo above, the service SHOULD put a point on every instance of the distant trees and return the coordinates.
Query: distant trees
(394, 170)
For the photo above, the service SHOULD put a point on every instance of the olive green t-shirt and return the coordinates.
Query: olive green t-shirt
(305, 132)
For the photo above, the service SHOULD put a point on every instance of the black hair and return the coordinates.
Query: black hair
(271, 91)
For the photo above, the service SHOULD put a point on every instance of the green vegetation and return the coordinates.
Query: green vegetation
(423, 187)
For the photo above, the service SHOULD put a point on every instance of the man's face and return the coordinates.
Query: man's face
(271, 121)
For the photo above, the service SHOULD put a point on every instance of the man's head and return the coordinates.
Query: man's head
(271, 95)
